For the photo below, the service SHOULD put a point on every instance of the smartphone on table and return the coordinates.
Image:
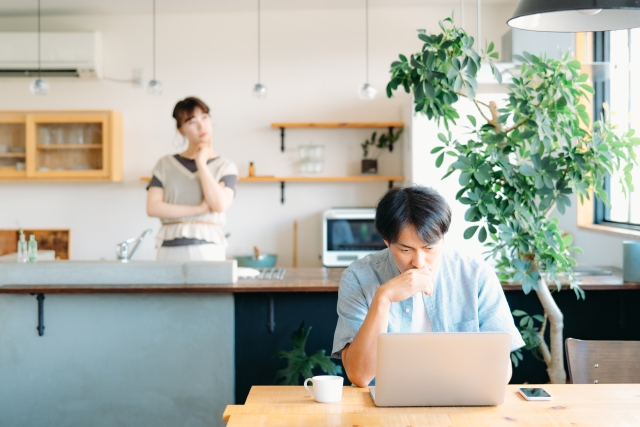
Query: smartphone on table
(534, 393)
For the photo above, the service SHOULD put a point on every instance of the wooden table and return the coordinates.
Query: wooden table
(601, 405)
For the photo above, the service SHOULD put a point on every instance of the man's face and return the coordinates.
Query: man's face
(410, 252)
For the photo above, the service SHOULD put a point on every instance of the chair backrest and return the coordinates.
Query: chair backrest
(603, 362)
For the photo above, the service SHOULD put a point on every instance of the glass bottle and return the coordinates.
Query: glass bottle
(22, 248)
(252, 169)
(33, 249)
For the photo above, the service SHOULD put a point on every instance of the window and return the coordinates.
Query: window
(622, 92)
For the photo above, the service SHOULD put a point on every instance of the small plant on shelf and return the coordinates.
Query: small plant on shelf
(386, 141)
(299, 365)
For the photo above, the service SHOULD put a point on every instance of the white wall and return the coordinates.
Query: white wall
(313, 64)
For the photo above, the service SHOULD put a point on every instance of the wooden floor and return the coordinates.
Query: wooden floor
(599, 405)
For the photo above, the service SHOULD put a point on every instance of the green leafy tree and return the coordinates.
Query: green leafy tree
(529, 155)
(299, 365)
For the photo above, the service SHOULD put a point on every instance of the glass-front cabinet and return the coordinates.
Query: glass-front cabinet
(61, 146)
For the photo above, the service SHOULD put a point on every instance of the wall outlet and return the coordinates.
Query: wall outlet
(138, 77)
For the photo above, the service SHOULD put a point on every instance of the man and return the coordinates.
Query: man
(415, 285)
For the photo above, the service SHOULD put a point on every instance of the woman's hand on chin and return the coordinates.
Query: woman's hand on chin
(202, 154)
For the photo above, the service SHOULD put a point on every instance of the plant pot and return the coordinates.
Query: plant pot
(370, 166)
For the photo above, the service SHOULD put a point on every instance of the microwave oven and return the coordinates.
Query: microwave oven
(349, 234)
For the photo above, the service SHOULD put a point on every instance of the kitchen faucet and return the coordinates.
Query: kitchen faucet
(122, 249)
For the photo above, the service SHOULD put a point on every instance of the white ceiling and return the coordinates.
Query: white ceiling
(102, 7)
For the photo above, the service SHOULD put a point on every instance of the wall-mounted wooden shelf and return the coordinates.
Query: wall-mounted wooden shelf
(12, 155)
(355, 178)
(69, 147)
(283, 179)
(333, 125)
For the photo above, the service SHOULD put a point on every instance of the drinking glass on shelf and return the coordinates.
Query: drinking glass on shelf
(76, 134)
(57, 134)
(44, 135)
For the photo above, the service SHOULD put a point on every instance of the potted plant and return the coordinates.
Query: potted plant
(520, 165)
(370, 164)
(299, 365)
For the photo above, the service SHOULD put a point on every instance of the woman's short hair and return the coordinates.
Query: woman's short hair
(183, 111)
(419, 207)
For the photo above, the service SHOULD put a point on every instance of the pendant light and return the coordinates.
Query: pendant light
(259, 90)
(154, 87)
(367, 91)
(39, 86)
(571, 16)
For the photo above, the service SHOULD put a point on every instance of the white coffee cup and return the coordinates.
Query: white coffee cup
(326, 388)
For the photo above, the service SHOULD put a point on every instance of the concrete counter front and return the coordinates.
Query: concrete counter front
(109, 357)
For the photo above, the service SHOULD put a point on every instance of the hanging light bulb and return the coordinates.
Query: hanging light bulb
(259, 90)
(367, 92)
(154, 87)
(39, 86)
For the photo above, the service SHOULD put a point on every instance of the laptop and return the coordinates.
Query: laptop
(442, 369)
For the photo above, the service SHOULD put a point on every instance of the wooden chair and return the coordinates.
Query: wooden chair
(603, 362)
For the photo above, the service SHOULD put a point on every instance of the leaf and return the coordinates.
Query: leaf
(429, 91)
(518, 313)
(470, 214)
(482, 235)
(464, 178)
(472, 120)
(442, 138)
(471, 93)
(457, 84)
(574, 64)
(435, 150)
(527, 170)
(439, 160)
(469, 232)
(490, 48)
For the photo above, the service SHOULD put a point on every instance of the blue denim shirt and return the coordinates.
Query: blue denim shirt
(467, 297)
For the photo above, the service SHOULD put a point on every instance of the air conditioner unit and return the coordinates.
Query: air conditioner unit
(62, 55)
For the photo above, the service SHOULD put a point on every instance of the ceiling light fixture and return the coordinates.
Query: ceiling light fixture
(570, 16)
(39, 86)
(367, 91)
(259, 90)
(154, 87)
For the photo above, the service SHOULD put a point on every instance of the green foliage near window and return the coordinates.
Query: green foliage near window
(527, 157)
(386, 141)
(299, 365)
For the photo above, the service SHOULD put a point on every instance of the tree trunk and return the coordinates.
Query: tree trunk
(554, 353)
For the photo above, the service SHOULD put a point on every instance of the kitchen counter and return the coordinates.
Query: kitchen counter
(65, 277)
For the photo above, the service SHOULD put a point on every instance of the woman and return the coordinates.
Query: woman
(190, 191)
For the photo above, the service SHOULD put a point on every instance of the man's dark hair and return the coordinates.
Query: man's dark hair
(419, 207)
